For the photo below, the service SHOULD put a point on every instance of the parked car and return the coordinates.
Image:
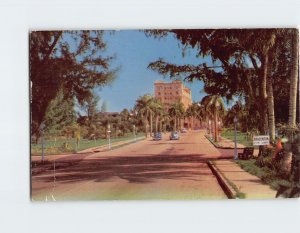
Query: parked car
(157, 136)
(174, 135)
(183, 130)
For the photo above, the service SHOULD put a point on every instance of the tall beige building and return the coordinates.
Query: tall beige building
(169, 93)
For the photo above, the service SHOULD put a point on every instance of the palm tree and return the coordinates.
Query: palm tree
(294, 78)
(176, 111)
(214, 104)
(293, 99)
(144, 108)
(194, 111)
(158, 111)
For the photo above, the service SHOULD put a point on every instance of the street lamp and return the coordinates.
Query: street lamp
(235, 156)
(108, 134)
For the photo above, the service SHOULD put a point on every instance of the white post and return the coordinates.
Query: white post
(42, 127)
(108, 131)
(134, 133)
(235, 156)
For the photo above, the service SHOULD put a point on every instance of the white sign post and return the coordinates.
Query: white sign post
(261, 140)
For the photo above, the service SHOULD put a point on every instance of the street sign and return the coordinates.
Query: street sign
(261, 140)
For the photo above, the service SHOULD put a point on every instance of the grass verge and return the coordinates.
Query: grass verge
(241, 138)
(69, 146)
(268, 176)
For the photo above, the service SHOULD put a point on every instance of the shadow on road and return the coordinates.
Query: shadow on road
(135, 169)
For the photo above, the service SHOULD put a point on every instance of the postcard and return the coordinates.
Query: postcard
(164, 114)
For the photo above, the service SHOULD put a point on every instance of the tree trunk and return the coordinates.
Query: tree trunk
(151, 126)
(146, 125)
(216, 125)
(263, 122)
(175, 122)
(271, 114)
(156, 123)
(295, 161)
(294, 79)
(160, 124)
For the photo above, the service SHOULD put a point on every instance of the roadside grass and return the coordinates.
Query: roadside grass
(241, 137)
(266, 174)
(69, 145)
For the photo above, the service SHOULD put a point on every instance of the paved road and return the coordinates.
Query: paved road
(144, 170)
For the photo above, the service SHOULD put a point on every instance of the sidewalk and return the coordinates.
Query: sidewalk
(242, 183)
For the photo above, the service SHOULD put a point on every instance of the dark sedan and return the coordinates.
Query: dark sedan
(174, 135)
(157, 136)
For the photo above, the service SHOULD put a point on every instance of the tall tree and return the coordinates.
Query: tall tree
(60, 113)
(294, 78)
(176, 111)
(239, 63)
(71, 60)
(158, 111)
(214, 104)
(143, 107)
(195, 111)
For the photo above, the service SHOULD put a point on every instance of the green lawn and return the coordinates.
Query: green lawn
(241, 137)
(54, 147)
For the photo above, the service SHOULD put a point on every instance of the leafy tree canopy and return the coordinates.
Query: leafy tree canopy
(68, 60)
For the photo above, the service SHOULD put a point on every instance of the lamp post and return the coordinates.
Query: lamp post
(108, 134)
(134, 133)
(235, 156)
(42, 127)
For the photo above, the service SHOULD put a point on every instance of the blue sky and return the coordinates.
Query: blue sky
(134, 51)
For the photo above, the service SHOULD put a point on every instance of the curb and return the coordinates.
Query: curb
(104, 148)
(221, 147)
(228, 190)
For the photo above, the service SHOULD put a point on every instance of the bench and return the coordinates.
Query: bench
(247, 153)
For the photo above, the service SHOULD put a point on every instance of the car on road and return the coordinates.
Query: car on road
(183, 130)
(174, 135)
(157, 136)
